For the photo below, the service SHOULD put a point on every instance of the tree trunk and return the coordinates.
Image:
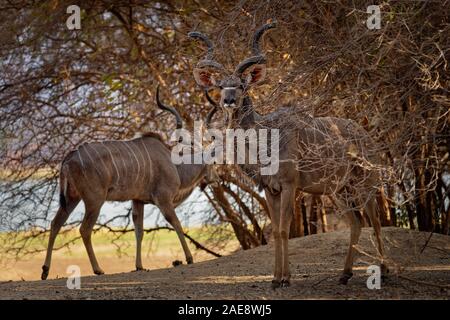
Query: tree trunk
(440, 195)
(314, 208)
(242, 234)
(296, 229)
(411, 215)
(257, 229)
(296, 222)
(446, 222)
(421, 201)
(323, 218)
(409, 207)
(445, 214)
(423, 209)
(305, 218)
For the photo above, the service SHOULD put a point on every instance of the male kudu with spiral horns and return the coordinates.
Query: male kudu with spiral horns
(299, 134)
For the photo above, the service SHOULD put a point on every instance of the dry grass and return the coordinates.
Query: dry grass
(160, 249)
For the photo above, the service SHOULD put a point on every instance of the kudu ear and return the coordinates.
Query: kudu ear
(255, 74)
(204, 77)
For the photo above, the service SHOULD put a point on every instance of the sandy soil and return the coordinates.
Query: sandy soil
(30, 268)
(316, 263)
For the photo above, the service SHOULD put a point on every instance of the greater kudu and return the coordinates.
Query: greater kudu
(306, 143)
(140, 170)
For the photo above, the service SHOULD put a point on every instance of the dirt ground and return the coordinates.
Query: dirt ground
(316, 262)
(29, 268)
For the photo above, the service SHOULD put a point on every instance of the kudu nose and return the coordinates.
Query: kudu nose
(229, 101)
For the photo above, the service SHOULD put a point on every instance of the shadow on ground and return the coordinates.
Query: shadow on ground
(316, 262)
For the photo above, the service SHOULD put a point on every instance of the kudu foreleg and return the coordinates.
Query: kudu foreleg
(89, 220)
(286, 214)
(273, 203)
(138, 220)
(170, 215)
(355, 219)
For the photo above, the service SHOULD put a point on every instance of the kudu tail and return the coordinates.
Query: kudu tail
(62, 201)
(63, 186)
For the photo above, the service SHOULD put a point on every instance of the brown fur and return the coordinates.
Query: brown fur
(318, 156)
(324, 155)
(152, 134)
(140, 170)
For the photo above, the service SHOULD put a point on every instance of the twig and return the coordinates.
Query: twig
(426, 243)
(197, 244)
(321, 280)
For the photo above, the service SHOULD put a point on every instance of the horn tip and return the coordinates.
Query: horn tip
(270, 25)
(194, 34)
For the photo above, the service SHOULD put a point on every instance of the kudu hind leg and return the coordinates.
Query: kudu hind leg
(58, 221)
(138, 220)
(89, 220)
(370, 208)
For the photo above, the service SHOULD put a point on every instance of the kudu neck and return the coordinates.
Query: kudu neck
(190, 174)
(246, 114)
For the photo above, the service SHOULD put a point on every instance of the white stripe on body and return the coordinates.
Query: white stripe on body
(90, 158)
(117, 148)
(134, 155)
(113, 161)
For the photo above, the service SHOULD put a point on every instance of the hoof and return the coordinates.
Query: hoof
(285, 283)
(345, 277)
(44, 274)
(177, 263)
(140, 269)
(99, 272)
(190, 261)
(276, 284)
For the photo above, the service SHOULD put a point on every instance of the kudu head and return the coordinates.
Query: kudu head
(233, 87)
(211, 175)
